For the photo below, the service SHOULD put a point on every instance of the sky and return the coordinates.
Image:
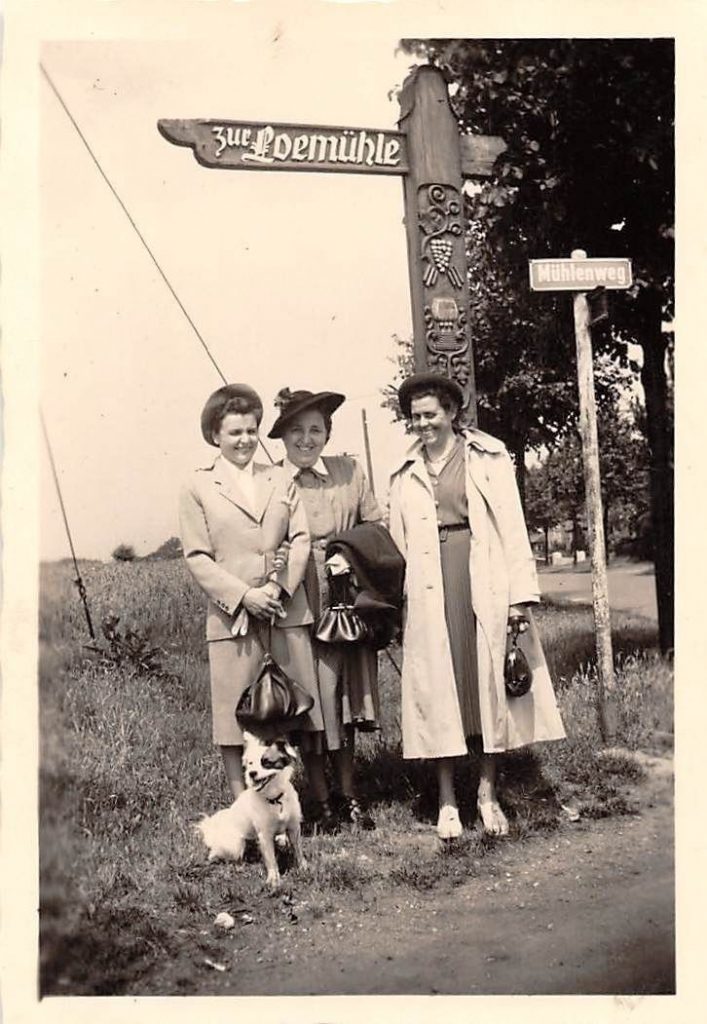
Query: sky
(296, 279)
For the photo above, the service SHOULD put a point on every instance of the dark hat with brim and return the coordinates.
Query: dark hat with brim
(292, 403)
(420, 381)
(216, 403)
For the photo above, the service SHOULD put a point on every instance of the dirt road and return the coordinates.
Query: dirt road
(586, 910)
(631, 587)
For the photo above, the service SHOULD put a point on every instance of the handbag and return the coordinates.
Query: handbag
(340, 623)
(517, 674)
(273, 698)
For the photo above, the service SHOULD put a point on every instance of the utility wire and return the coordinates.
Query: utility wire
(78, 581)
(132, 222)
(393, 662)
(138, 233)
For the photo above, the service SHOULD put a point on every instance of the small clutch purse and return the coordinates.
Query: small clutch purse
(340, 623)
(517, 674)
(273, 698)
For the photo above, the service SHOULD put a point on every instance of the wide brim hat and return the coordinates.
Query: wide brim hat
(292, 403)
(422, 380)
(215, 404)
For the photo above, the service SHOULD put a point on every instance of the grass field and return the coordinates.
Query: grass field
(127, 766)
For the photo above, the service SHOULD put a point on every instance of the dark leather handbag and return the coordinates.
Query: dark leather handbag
(517, 674)
(273, 698)
(340, 623)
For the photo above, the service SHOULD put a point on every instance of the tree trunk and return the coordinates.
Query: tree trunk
(547, 544)
(659, 431)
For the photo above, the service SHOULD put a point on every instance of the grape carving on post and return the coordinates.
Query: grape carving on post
(433, 160)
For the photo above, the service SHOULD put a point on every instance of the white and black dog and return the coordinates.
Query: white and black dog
(267, 807)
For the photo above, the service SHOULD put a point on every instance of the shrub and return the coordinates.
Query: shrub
(124, 553)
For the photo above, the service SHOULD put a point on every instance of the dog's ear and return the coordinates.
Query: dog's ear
(287, 749)
(279, 755)
(275, 760)
(251, 740)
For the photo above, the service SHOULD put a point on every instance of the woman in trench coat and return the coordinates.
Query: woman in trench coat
(456, 516)
(234, 517)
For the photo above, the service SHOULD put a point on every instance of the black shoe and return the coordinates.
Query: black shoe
(351, 811)
(322, 819)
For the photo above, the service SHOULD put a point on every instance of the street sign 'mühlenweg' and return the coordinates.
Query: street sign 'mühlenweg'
(579, 275)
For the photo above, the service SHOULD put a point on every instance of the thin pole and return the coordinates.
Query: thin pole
(367, 445)
(78, 581)
(595, 519)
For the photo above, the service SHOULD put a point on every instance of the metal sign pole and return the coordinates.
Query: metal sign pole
(367, 445)
(581, 275)
(595, 520)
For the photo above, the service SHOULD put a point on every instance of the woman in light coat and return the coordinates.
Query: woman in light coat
(456, 516)
(234, 516)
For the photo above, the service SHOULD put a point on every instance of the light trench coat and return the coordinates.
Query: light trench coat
(502, 572)
(228, 543)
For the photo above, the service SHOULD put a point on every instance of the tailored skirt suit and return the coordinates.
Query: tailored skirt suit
(229, 540)
(347, 674)
(460, 580)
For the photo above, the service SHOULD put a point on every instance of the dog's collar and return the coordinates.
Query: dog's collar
(275, 799)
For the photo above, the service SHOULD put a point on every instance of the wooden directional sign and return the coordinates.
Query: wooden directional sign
(248, 145)
(432, 158)
(253, 145)
(579, 275)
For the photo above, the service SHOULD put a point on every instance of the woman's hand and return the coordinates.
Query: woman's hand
(260, 602)
(274, 590)
(517, 619)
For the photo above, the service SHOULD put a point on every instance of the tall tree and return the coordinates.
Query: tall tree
(590, 164)
(556, 484)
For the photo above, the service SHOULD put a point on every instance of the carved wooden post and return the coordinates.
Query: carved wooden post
(432, 158)
(435, 231)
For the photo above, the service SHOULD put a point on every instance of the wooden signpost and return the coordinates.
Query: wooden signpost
(581, 275)
(433, 160)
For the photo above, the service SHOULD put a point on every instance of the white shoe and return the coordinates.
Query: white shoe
(448, 824)
(493, 819)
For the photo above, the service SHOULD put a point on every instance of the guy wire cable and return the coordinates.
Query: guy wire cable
(393, 662)
(139, 234)
(78, 581)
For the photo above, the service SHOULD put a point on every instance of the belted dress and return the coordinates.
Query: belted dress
(468, 559)
(336, 496)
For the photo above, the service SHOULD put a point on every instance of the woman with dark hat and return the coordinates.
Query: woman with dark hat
(336, 497)
(456, 515)
(235, 517)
